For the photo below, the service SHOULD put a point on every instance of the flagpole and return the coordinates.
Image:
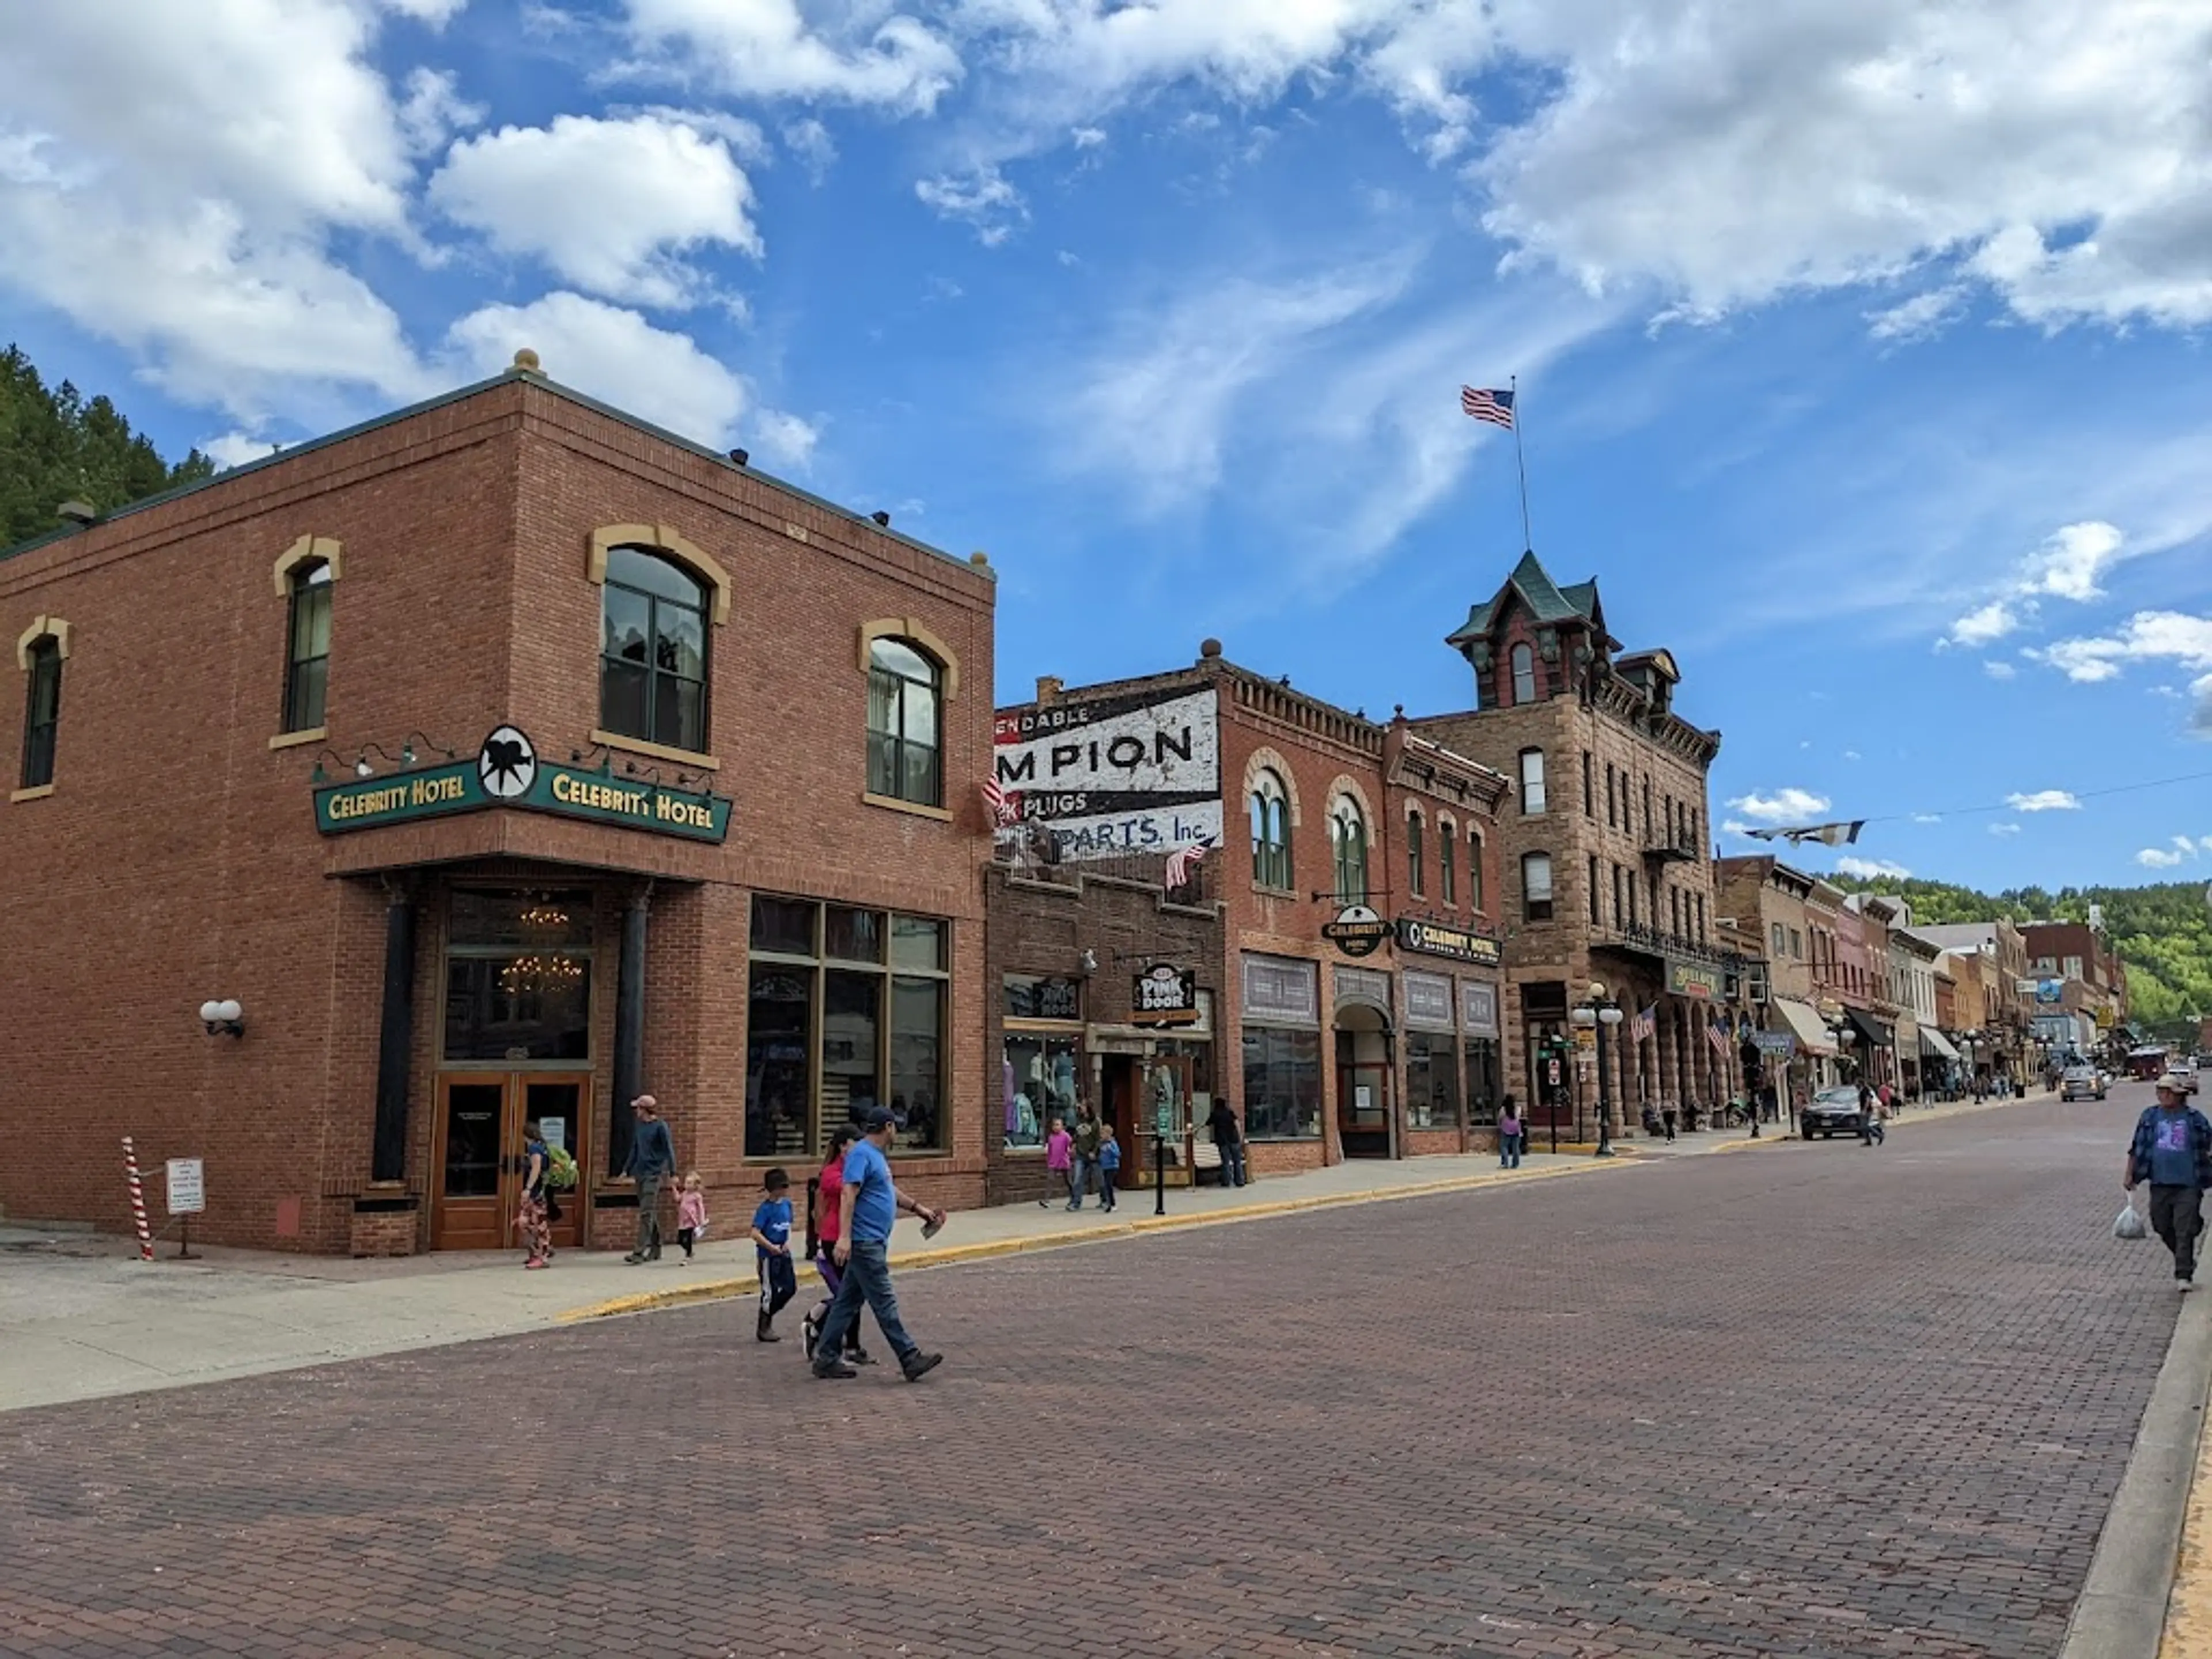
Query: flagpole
(1520, 464)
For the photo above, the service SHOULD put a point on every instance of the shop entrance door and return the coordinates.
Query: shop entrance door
(477, 1163)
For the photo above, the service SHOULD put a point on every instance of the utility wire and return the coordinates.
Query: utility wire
(2077, 794)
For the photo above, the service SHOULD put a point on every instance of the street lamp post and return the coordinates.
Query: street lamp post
(1599, 1012)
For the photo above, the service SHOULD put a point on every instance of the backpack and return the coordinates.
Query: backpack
(560, 1169)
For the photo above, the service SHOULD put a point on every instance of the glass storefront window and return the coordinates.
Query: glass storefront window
(853, 935)
(1483, 1086)
(518, 976)
(1039, 1077)
(1039, 996)
(917, 942)
(532, 920)
(784, 927)
(1431, 1081)
(917, 1061)
(852, 1019)
(1282, 1085)
(779, 1074)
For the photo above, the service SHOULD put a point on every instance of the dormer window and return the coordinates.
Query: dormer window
(1524, 674)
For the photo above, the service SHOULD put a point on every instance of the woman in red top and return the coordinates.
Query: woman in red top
(829, 1194)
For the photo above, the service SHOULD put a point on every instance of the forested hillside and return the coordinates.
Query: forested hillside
(56, 445)
(2162, 931)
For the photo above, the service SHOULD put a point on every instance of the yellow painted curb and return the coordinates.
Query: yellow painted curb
(717, 1290)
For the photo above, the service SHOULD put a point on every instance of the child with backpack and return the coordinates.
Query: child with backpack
(691, 1214)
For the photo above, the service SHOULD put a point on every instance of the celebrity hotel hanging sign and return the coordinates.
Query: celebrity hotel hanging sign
(507, 772)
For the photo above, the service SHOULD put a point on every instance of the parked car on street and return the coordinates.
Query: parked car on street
(2081, 1083)
(1831, 1112)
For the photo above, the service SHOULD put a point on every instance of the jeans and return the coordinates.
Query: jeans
(867, 1278)
(779, 1283)
(1508, 1150)
(1079, 1180)
(648, 1216)
(2177, 1216)
(1106, 1186)
(1232, 1163)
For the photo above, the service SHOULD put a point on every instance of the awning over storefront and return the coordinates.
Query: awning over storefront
(1935, 1042)
(1804, 1024)
(1876, 1031)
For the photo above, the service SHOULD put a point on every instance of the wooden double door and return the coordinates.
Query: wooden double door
(478, 1161)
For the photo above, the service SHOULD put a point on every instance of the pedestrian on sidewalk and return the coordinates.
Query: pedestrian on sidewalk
(1866, 1113)
(691, 1214)
(1109, 1168)
(779, 1280)
(652, 1161)
(1059, 1162)
(1086, 1155)
(2173, 1151)
(868, 1203)
(530, 1220)
(1511, 1131)
(1229, 1140)
(1666, 1118)
(829, 1186)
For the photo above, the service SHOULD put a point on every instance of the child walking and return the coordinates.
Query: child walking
(1110, 1166)
(1509, 1136)
(779, 1280)
(691, 1214)
(1060, 1161)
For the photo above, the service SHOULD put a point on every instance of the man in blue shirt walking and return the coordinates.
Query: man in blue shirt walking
(2173, 1151)
(869, 1205)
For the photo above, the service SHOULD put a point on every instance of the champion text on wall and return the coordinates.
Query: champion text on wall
(1113, 776)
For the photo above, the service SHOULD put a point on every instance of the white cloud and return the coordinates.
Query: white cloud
(610, 205)
(2155, 858)
(980, 197)
(2043, 800)
(1927, 817)
(2147, 636)
(1919, 318)
(1852, 755)
(617, 357)
(436, 13)
(1989, 623)
(2066, 565)
(433, 110)
(1790, 805)
(810, 141)
(766, 49)
(236, 449)
(2004, 829)
(1869, 869)
(1737, 828)
(1999, 671)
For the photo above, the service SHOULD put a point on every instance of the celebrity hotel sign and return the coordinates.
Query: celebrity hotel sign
(507, 772)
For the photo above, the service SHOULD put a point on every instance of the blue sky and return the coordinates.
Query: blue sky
(1861, 350)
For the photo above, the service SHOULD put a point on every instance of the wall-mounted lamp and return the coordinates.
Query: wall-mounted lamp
(335, 759)
(1088, 961)
(407, 750)
(225, 1017)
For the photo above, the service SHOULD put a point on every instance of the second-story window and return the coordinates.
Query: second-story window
(1778, 937)
(1532, 781)
(652, 651)
(1589, 791)
(906, 758)
(1271, 832)
(1446, 863)
(1416, 879)
(1348, 836)
(1536, 886)
(1594, 900)
(42, 713)
(1475, 896)
(1524, 674)
(307, 658)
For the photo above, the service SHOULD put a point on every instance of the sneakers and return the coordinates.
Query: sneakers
(765, 1332)
(827, 1373)
(918, 1365)
(535, 1261)
(857, 1355)
(634, 1258)
(810, 1333)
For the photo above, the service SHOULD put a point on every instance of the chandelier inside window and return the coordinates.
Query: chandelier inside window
(540, 974)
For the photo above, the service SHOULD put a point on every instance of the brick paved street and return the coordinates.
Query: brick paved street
(1806, 1400)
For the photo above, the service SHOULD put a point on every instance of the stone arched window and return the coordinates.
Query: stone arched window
(306, 575)
(906, 735)
(1270, 805)
(1347, 838)
(40, 652)
(662, 594)
(1447, 860)
(1417, 881)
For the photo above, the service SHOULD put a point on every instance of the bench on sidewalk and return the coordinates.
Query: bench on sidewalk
(1205, 1156)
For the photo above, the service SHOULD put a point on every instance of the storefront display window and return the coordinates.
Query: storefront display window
(1039, 1082)
(1431, 1082)
(518, 976)
(1282, 1085)
(824, 1043)
(1482, 1084)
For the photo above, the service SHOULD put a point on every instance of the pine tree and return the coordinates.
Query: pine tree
(57, 447)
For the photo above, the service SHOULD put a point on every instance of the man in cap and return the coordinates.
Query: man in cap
(868, 1205)
(652, 1161)
(2173, 1151)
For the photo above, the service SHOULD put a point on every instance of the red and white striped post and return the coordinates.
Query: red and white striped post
(138, 1200)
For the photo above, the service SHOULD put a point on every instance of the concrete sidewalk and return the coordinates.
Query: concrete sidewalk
(81, 1317)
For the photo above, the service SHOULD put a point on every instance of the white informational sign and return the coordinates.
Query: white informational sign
(556, 1133)
(1363, 1098)
(1138, 773)
(187, 1187)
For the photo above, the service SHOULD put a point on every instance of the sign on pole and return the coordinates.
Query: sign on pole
(187, 1187)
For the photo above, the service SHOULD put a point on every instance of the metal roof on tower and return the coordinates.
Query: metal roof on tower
(1547, 601)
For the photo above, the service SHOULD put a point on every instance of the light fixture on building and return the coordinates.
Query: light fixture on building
(540, 975)
(224, 1018)
(1088, 961)
(361, 769)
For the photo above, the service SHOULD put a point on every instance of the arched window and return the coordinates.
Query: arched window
(42, 711)
(308, 655)
(906, 759)
(1524, 674)
(1348, 839)
(1448, 862)
(1532, 781)
(1475, 896)
(1536, 886)
(1416, 879)
(652, 651)
(1271, 832)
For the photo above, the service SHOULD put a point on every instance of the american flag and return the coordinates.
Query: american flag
(1643, 1026)
(1183, 860)
(1003, 809)
(1495, 407)
(1718, 1035)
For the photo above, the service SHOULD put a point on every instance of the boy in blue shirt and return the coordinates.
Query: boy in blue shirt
(1109, 1167)
(779, 1280)
(2173, 1151)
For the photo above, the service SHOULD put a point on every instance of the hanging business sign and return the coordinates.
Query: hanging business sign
(1775, 1042)
(1163, 998)
(2050, 990)
(507, 771)
(1693, 980)
(1357, 930)
(1435, 939)
(1109, 776)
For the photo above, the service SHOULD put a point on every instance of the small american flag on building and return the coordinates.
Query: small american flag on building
(1643, 1026)
(1717, 1034)
(1183, 860)
(1005, 809)
(1495, 407)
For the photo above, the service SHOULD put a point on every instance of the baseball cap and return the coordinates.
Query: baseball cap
(879, 1117)
(2177, 1082)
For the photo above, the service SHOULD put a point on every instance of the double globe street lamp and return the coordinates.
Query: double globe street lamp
(1594, 1016)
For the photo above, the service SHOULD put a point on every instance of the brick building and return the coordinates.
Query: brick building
(2003, 1052)
(500, 758)
(1781, 911)
(1351, 1009)
(1604, 847)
